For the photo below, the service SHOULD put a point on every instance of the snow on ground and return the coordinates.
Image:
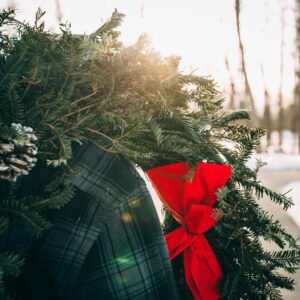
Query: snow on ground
(294, 191)
(289, 142)
(276, 161)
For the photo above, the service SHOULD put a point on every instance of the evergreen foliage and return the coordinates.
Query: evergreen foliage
(75, 89)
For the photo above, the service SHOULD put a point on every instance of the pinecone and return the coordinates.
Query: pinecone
(17, 155)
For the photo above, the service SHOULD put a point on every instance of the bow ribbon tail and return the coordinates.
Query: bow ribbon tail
(177, 241)
(202, 270)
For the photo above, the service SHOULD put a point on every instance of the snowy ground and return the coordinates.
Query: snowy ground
(284, 165)
(289, 144)
(293, 190)
(282, 174)
(281, 181)
(276, 161)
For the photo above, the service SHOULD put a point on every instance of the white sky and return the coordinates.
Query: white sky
(202, 32)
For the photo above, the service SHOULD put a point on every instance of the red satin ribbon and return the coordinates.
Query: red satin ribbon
(191, 204)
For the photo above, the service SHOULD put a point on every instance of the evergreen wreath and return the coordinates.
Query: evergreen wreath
(73, 89)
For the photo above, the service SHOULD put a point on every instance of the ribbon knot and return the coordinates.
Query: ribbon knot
(191, 204)
(199, 218)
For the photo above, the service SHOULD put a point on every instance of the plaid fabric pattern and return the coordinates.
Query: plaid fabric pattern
(106, 243)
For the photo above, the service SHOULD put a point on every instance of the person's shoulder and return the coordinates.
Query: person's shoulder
(100, 168)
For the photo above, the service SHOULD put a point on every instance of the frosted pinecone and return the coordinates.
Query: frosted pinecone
(17, 155)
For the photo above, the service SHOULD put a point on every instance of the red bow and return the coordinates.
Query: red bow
(191, 204)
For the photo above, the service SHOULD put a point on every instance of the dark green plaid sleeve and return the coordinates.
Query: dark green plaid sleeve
(107, 242)
(129, 259)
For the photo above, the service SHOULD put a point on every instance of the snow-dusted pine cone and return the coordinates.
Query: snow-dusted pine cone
(17, 155)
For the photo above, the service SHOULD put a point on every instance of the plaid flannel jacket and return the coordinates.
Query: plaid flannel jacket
(106, 243)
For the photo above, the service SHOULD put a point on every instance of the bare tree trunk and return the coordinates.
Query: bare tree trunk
(248, 91)
(297, 88)
(267, 115)
(142, 9)
(59, 15)
(280, 118)
(232, 87)
(267, 118)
